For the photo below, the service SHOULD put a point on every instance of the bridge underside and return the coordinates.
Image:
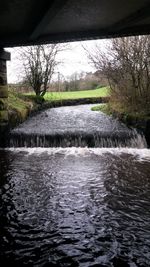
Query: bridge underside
(33, 22)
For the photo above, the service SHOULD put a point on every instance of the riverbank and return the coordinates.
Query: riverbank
(21, 106)
(139, 120)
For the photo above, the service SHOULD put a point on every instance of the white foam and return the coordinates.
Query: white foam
(84, 152)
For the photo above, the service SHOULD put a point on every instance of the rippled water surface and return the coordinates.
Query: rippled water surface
(70, 119)
(75, 207)
(77, 126)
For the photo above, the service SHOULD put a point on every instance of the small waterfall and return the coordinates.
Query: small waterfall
(74, 126)
(130, 138)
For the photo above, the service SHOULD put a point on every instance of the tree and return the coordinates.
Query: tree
(126, 64)
(39, 64)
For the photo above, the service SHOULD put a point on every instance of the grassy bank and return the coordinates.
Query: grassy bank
(103, 108)
(139, 120)
(124, 114)
(20, 106)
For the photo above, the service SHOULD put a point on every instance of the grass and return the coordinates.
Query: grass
(22, 102)
(52, 96)
(103, 108)
(121, 112)
(20, 105)
(16, 103)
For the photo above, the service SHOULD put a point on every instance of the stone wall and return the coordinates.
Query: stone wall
(4, 56)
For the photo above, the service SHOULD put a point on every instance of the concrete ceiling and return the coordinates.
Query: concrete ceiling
(25, 22)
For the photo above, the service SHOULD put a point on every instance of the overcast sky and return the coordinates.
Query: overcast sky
(74, 60)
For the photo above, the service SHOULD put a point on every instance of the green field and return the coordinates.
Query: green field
(20, 105)
(100, 92)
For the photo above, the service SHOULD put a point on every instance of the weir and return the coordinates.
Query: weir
(129, 138)
(74, 127)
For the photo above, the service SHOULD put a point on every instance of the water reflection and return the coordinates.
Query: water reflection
(82, 207)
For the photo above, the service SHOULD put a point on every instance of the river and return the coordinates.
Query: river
(74, 126)
(75, 206)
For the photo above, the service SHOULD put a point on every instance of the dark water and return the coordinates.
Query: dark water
(75, 207)
(74, 126)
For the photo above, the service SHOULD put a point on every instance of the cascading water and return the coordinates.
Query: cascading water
(75, 206)
(130, 138)
(75, 126)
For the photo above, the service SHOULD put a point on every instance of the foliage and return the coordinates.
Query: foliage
(122, 114)
(126, 64)
(103, 108)
(77, 81)
(39, 64)
(81, 81)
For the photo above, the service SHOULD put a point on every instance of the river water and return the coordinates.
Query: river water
(74, 126)
(75, 206)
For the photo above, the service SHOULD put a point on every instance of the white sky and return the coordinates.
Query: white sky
(74, 60)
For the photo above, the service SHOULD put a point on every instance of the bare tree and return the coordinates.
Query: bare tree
(126, 64)
(39, 64)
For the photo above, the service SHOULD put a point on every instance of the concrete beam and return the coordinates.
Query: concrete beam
(133, 18)
(54, 8)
